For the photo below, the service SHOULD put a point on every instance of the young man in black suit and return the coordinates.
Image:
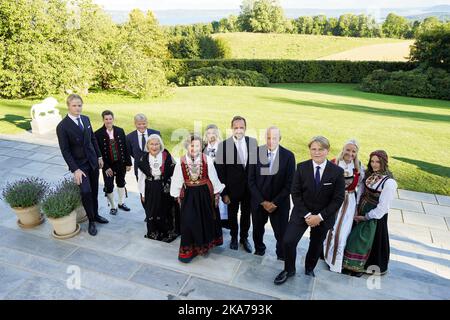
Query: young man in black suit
(80, 150)
(318, 191)
(232, 162)
(270, 181)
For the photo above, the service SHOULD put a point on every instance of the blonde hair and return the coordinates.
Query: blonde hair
(155, 137)
(73, 96)
(324, 143)
(356, 161)
(216, 133)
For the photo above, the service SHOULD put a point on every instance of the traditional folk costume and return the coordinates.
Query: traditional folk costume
(154, 176)
(368, 243)
(211, 150)
(196, 183)
(336, 239)
(116, 157)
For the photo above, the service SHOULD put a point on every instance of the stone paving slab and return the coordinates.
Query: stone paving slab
(407, 205)
(424, 220)
(437, 210)
(443, 200)
(417, 196)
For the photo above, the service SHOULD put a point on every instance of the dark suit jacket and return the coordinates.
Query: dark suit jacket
(326, 200)
(103, 142)
(275, 188)
(78, 148)
(133, 145)
(230, 171)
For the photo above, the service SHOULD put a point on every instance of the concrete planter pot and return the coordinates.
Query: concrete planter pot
(81, 215)
(29, 217)
(65, 227)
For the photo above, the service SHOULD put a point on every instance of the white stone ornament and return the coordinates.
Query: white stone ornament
(44, 116)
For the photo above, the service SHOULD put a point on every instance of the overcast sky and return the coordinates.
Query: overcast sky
(234, 4)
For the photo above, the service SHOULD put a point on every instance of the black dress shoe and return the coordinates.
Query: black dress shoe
(247, 246)
(282, 277)
(100, 219)
(260, 252)
(357, 274)
(92, 229)
(113, 211)
(310, 273)
(124, 207)
(234, 244)
(280, 258)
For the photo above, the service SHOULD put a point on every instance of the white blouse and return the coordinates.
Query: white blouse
(385, 200)
(155, 165)
(360, 186)
(178, 179)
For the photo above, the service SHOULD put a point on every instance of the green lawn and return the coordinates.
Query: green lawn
(414, 132)
(293, 46)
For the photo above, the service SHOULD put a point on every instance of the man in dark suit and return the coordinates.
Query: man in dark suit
(270, 181)
(318, 191)
(80, 150)
(232, 160)
(137, 139)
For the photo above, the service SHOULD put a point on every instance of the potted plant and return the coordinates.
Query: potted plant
(24, 197)
(67, 185)
(60, 208)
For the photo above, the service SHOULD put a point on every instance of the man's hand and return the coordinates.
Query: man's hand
(266, 205)
(313, 220)
(226, 199)
(128, 168)
(109, 172)
(100, 163)
(142, 199)
(272, 207)
(78, 176)
(359, 219)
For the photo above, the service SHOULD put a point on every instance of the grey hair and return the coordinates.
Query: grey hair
(140, 117)
(273, 128)
(153, 137)
(216, 132)
(192, 137)
(324, 143)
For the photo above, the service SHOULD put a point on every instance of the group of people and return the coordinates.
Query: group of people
(344, 204)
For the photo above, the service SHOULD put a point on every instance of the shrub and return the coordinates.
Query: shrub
(62, 200)
(287, 71)
(420, 82)
(25, 193)
(218, 76)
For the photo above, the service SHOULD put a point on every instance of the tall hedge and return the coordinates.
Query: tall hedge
(286, 71)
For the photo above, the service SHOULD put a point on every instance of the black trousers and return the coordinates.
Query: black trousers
(119, 175)
(278, 220)
(233, 208)
(89, 191)
(294, 232)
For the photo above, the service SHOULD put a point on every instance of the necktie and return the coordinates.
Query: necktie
(317, 177)
(143, 142)
(269, 157)
(80, 125)
(211, 152)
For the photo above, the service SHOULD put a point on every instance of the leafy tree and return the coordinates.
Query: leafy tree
(395, 26)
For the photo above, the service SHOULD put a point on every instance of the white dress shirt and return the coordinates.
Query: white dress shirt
(274, 154)
(241, 146)
(140, 139)
(321, 170)
(75, 119)
(214, 147)
(178, 179)
(156, 172)
(386, 197)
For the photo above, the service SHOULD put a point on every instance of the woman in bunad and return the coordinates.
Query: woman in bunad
(196, 186)
(155, 169)
(336, 239)
(211, 140)
(367, 248)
